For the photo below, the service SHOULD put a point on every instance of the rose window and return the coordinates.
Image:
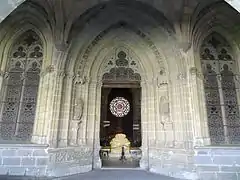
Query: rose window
(119, 107)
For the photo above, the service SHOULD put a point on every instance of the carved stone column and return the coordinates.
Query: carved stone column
(1, 91)
(45, 106)
(91, 113)
(54, 130)
(1, 80)
(97, 163)
(198, 108)
(177, 111)
(144, 162)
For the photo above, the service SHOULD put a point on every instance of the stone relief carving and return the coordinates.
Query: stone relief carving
(80, 155)
(165, 110)
(162, 79)
(76, 121)
(78, 109)
(81, 80)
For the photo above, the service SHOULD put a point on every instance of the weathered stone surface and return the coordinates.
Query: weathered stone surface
(76, 58)
(12, 161)
(28, 161)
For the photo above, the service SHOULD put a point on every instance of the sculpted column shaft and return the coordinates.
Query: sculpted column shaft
(91, 112)
(151, 104)
(45, 107)
(65, 111)
(177, 113)
(198, 109)
(54, 130)
(1, 80)
(144, 163)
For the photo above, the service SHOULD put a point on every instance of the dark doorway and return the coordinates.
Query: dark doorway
(129, 124)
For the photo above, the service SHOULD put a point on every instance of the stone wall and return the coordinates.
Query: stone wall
(40, 161)
(23, 159)
(68, 161)
(220, 163)
(177, 163)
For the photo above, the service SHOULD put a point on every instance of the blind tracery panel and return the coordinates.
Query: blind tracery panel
(219, 69)
(21, 87)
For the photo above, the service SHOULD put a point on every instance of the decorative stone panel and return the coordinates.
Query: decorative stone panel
(68, 161)
(40, 161)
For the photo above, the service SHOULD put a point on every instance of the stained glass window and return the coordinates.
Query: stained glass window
(219, 69)
(119, 107)
(20, 88)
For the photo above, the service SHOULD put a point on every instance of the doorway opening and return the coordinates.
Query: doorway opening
(120, 127)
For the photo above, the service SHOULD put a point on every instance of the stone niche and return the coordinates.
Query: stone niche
(41, 161)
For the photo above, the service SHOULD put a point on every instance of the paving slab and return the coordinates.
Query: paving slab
(104, 174)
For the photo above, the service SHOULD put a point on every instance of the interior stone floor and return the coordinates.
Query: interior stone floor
(104, 174)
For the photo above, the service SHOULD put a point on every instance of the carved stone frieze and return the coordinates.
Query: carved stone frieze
(80, 155)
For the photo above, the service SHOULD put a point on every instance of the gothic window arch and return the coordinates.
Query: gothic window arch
(20, 88)
(221, 90)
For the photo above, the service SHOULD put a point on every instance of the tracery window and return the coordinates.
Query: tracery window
(20, 88)
(221, 90)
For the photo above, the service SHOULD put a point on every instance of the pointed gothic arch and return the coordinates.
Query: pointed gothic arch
(20, 87)
(221, 86)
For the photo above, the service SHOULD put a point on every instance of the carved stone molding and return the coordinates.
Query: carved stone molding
(61, 46)
(195, 72)
(185, 46)
(49, 69)
(143, 36)
(182, 76)
(80, 80)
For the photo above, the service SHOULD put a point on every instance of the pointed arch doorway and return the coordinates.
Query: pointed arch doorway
(120, 123)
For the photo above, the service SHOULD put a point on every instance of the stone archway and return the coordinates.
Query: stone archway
(120, 127)
(97, 71)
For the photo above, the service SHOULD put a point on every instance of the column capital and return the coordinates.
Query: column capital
(47, 70)
(195, 72)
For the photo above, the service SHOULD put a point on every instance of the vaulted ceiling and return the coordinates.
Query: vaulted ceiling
(7, 6)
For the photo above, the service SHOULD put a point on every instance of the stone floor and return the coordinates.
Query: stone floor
(106, 174)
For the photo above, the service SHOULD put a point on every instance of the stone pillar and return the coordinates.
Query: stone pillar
(65, 111)
(198, 109)
(144, 162)
(1, 91)
(45, 106)
(177, 111)
(54, 130)
(97, 163)
(91, 111)
(151, 112)
(1, 80)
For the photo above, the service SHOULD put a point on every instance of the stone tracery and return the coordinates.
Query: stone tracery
(220, 90)
(21, 87)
